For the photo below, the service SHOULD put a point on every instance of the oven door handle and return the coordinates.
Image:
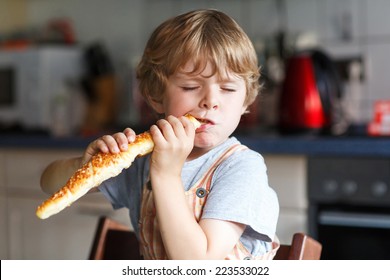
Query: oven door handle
(337, 218)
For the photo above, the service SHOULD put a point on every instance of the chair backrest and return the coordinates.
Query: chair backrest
(303, 247)
(115, 241)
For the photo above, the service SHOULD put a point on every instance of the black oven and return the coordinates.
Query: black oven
(349, 207)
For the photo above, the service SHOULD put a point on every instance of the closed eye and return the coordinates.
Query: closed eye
(229, 89)
(189, 88)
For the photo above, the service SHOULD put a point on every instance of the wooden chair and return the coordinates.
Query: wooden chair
(303, 247)
(115, 241)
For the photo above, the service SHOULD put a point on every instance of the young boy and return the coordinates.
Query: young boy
(200, 194)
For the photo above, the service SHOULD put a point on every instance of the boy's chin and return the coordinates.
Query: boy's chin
(206, 141)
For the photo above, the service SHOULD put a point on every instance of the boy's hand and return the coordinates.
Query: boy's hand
(109, 143)
(174, 140)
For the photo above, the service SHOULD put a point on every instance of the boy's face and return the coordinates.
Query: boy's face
(218, 101)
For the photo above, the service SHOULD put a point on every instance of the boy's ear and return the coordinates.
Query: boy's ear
(157, 106)
(244, 109)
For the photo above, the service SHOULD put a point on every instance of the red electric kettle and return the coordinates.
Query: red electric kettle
(310, 87)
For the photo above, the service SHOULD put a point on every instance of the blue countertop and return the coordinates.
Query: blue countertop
(320, 146)
(271, 144)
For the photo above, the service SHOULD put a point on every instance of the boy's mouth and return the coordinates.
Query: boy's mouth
(204, 124)
(204, 121)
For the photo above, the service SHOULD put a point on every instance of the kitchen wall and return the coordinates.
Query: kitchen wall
(345, 28)
(13, 15)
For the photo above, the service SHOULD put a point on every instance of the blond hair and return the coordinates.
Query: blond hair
(200, 36)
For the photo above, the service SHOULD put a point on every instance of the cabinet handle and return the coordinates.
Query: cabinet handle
(334, 218)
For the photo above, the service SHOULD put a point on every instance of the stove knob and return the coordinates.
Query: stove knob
(379, 189)
(349, 187)
(330, 187)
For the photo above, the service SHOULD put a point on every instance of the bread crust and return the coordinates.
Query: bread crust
(101, 167)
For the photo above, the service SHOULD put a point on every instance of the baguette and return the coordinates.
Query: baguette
(101, 167)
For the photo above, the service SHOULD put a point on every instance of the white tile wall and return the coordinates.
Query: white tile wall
(125, 25)
(379, 64)
(378, 20)
(116, 23)
(302, 16)
(340, 20)
(262, 18)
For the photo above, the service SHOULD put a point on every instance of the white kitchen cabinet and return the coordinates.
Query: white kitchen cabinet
(66, 235)
(3, 227)
(25, 166)
(2, 172)
(3, 209)
(291, 221)
(287, 176)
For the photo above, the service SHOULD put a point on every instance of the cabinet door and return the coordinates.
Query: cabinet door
(67, 235)
(3, 210)
(3, 228)
(2, 172)
(290, 221)
(287, 176)
(24, 167)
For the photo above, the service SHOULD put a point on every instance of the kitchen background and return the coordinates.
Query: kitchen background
(349, 30)
(355, 33)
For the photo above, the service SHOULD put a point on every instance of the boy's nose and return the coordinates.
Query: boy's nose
(210, 101)
(210, 106)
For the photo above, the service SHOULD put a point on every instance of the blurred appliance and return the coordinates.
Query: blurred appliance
(100, 86)
(31, 79)
(311, 84)
(349, 206)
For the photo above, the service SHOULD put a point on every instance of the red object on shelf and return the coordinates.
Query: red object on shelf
(380, 125)
(65, 28)
(20, 44)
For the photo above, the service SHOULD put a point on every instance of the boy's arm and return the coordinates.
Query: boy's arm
(183, 236)
(57, 173)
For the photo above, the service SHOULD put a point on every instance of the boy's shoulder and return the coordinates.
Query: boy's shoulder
(243, 150)
(243, 157)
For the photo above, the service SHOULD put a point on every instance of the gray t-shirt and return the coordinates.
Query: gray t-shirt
(239, 192)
